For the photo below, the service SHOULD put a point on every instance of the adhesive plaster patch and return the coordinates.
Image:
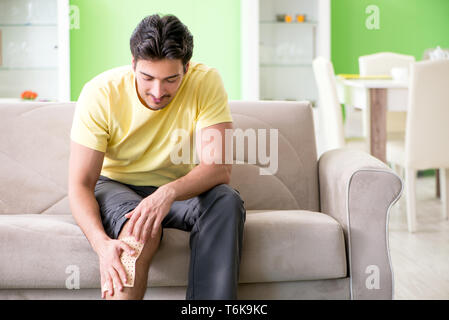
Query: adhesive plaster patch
(129, 262)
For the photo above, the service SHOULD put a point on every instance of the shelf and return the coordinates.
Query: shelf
(286, 65)
(3, 25)
(278, 99)
(27, 69)
(18, 100)
(35, 51)
(307, 23)
(312, 101)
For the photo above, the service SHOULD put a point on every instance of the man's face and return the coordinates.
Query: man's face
(158, 81)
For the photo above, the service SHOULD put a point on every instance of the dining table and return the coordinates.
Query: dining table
(375, 96)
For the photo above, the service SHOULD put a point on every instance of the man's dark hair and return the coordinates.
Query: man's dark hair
(157, 37)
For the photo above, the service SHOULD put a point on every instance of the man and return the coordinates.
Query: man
(122, 181)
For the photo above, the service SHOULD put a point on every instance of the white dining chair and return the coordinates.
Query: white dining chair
(381, 64)
(427, 132)
(331, 125)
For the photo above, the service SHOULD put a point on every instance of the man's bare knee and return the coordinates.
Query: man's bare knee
(141, 268)
(150, 247)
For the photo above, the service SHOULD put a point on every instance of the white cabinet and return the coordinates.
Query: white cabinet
(35, 49)
(277, 55)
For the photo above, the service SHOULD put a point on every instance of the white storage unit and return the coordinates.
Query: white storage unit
(35, 49)
(277, 56)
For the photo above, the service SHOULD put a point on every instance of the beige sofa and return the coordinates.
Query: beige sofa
(314, 229)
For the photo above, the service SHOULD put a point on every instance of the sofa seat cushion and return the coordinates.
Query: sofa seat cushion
(46, 251)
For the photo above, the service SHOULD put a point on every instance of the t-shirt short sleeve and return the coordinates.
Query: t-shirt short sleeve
(90, 121)
(213, 101)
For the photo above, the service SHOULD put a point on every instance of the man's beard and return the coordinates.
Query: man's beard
(150, 104)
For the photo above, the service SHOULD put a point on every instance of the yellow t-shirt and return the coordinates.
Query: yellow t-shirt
(137, 141)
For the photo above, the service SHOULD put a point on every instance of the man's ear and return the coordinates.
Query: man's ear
(133, 62)
(186, 68)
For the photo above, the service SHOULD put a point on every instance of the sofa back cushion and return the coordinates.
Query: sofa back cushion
(292, 183)
(34, 155)
(35, 147)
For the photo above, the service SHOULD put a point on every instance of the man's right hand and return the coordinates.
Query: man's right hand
(111, 269)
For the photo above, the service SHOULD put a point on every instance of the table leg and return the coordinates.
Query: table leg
(378, 123)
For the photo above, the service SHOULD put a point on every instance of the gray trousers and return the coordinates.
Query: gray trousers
(215, 220)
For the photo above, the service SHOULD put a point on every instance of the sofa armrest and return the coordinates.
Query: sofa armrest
(359, 190)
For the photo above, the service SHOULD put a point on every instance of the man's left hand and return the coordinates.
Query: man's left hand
(146, 218)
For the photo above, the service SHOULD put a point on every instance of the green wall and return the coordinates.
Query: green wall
(102, 41)
(406, 26)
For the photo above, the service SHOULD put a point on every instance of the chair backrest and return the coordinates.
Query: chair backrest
(427, 132)
(35, 148)
(381, 63)
(329, 109)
